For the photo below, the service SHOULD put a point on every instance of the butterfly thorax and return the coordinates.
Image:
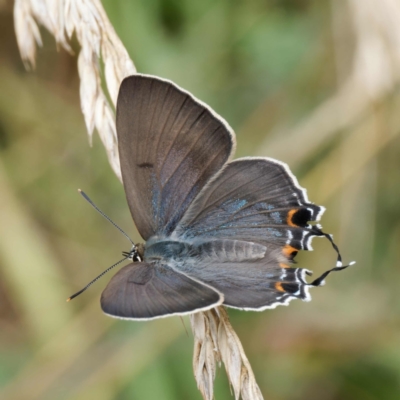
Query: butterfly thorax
(167, 250)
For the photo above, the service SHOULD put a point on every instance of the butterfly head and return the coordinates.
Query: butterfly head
(135, 253)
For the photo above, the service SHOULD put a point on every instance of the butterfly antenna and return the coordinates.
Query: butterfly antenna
(95, 279)
(86, 197)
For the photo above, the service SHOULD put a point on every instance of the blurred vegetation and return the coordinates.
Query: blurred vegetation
(294, 79)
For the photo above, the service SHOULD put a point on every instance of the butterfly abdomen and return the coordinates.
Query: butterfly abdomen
(226, 250)
(223, 250)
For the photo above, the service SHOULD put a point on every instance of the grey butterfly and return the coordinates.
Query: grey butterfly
(217, 232)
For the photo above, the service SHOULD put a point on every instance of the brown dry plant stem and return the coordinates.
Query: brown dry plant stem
(215, 338)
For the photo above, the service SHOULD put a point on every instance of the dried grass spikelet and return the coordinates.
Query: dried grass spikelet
(215, 339)
(98, 40)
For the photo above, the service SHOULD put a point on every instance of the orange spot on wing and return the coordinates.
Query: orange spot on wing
(282, 265)
(288, 250)
(290, 216)
(278, 286)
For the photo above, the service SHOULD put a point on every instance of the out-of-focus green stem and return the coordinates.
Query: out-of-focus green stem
(29, 268)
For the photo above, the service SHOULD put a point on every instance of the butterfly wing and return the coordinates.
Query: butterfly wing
(251, 202)
(250, 276)
(170, 145)
(154, 290)
(256, 200)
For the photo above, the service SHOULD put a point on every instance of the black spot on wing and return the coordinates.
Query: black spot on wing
(301, 217)
(290, 287)
(145, 165)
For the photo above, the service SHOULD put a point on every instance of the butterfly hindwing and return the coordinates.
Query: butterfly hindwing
(253, 199)
(252, 202)
(255, 285)
(152, 290)
(170, 145)
(249, 275)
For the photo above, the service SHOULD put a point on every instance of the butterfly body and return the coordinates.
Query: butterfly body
(216, 231)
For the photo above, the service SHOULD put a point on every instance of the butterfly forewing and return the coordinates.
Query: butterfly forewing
(170, 145)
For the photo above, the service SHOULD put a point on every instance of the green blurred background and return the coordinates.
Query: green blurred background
(313, 83)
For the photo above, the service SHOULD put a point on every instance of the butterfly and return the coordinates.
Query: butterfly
(217, 231)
